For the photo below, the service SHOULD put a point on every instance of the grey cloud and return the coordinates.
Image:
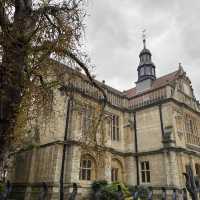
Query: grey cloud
(114, 30)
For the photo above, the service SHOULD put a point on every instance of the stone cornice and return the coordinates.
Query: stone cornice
(127, 154)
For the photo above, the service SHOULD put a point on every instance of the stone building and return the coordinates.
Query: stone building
(150, 133)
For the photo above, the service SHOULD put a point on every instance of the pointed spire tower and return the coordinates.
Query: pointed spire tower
(146, 68)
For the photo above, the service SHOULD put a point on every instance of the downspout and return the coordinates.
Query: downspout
(136, 149)
(64, 149)
(161, 120)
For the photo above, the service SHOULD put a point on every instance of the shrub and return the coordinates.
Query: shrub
(1, 187)
(108, 191)
(114, 186)
(98, 185)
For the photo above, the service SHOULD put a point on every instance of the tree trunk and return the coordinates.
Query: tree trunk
(12, 84)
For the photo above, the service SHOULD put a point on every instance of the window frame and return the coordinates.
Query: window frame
(114, 174)
(145, 172)
(85, 171)
(115, 130)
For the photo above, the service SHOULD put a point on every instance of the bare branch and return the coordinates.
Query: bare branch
(56, 8)
(82, 65)
(52, 23)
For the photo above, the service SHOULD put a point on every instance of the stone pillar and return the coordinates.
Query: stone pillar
(174, 169)
(167, 168)
(130, 171)
(31, 176)
(58, 164)
(74, 158)
(107, 169)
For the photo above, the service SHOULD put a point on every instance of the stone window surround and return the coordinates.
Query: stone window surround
(145, 172)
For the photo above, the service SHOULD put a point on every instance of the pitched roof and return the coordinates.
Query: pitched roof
(162, 81)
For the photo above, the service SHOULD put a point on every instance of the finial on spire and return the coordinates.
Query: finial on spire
(144, 37)
(180, 67)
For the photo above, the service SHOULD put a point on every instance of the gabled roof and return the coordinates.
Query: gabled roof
(159, 82)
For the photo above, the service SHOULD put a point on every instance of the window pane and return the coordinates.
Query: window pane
(147, 165)
(117, 133)
(84, 163)
(88, 174)
(116, 174)
(112, 174)
(83, 174)
(114, 133)
(142, 165)
(142, 71)
(148, 176)
(89, 163)
(115, 127)
(143, 176)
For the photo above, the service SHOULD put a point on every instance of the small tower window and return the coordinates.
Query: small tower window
(148, 71)
(142, 71)
(147, 57)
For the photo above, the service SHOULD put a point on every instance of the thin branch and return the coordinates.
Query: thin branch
(57, 8)
(54, 25)
(82, 65)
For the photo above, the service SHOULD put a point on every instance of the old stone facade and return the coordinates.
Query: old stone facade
(150, 133)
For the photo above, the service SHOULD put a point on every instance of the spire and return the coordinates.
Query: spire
(146, 68)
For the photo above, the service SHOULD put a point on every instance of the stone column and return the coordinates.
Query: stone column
(174, 169)
(31, 176)
(130, 171)
(107, 169)
(167, 168)
(74, 161)
(57, 168)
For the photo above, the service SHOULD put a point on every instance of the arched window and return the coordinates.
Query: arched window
(197, 169)
(116, 170)
(87, 168)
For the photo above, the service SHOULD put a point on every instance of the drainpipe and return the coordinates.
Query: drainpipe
(64, 148)
(161, 120)
(136, 149)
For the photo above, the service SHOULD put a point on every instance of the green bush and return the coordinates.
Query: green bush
(108, 191)
(99, 185)
(1, 187)
(114, 186)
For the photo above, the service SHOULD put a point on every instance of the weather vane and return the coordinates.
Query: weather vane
(144, 37)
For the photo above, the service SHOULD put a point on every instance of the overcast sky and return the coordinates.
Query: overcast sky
(114, 38)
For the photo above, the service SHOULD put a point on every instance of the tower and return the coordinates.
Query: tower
(146, 69)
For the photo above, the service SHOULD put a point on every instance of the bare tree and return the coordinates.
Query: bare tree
(31, 32)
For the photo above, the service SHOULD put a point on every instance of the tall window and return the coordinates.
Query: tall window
(86, 120)
(116, 170)
(115, 128)
(87, 168)
(114, 174)
(145, 172)
(197, 169)
(191, 126)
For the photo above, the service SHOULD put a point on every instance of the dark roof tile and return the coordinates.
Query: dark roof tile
(162, 81)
